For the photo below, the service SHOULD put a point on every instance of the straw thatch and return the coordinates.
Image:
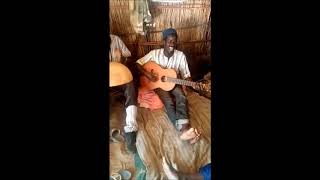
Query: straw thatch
(191, 19)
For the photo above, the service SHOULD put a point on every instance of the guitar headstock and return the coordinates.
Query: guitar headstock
(207, 87)
(204, 85)
(204, 88)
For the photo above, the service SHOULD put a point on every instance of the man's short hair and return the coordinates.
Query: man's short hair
(169, 32)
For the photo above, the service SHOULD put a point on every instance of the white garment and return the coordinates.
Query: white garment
(117, 43)
(131, 119)
(139, 14)
(177, 61)
(181, 122)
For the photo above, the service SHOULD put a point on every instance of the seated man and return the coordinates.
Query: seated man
(119, 51)
(169, 57)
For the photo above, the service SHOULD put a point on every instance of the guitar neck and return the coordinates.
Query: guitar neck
(181, 82)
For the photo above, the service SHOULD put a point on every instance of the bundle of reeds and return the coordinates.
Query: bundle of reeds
(191, 19)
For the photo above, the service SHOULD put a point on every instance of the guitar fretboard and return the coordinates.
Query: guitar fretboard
(181, 82)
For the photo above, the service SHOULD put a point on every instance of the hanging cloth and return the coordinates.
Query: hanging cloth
(139, 14)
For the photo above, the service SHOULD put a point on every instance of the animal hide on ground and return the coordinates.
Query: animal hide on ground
(157, 137)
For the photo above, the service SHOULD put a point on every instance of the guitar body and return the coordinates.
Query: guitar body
(167, 79)
(149, 85)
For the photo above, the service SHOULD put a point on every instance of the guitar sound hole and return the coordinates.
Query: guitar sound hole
(163, 79)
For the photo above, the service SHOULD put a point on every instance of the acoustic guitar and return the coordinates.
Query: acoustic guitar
(167, 79)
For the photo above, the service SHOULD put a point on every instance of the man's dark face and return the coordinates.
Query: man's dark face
(170, 44)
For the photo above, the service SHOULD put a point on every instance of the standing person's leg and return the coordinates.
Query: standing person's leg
(168, 103)
(130, 105)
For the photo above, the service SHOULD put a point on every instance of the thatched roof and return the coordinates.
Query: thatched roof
(191, 19)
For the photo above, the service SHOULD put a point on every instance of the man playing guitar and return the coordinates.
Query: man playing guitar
(170, 58)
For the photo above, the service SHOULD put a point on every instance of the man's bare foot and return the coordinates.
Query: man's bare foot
(194, 140)
(197, 133)
(191, 134)
(169, 173)
(188, 134)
